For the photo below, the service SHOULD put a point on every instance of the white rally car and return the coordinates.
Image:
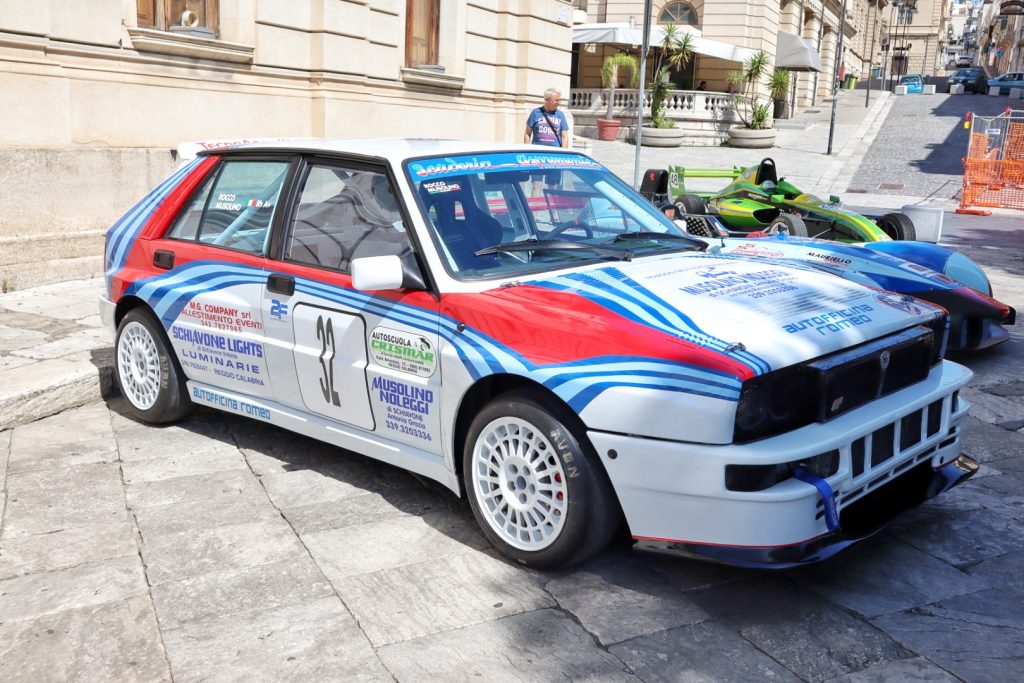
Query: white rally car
(456, 310)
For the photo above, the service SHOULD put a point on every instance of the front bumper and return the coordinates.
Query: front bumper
(107, 310)
(674, 494)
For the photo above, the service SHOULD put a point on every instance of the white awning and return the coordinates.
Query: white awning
(796, 54)
(622, 33)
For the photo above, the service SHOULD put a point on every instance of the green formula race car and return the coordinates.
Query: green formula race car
(758, 200)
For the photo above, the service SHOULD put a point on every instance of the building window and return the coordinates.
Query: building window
(195, 17)
(421, 30)
(678, 13)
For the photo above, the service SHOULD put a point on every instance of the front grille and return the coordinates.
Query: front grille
(886, 453)
(851, 378)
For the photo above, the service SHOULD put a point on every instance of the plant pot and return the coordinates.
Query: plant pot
(779, 109)
(662, 137)
(608, 129)
(745, 137)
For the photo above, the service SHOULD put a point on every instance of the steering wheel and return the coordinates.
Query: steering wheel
(572, 225)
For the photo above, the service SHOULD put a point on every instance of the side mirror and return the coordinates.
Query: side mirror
(778, 198)
(386, 272)
(833, 199)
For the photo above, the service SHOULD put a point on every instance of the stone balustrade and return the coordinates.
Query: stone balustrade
(706, 116)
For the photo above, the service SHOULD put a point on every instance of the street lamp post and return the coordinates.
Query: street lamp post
(871, 54)
(835, 78)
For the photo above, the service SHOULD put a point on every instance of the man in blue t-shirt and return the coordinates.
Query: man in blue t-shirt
(546, 125)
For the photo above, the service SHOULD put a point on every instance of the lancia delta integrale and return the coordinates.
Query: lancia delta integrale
(457, 310)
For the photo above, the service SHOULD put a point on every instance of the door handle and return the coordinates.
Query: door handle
(163, 259)
(281, 284)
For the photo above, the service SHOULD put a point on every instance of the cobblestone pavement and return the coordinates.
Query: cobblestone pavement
(919, 147)
(224, 549)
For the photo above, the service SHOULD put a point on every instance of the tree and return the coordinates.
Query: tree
(747, 83)
(676, 50)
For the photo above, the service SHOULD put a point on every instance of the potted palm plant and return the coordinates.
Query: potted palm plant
(676, 51)
(778, 87)
(608, 127)
(752, 105)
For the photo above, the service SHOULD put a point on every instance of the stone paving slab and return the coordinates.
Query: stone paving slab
(236, 590)
(616, 598)
(353, 550)
(112, 641)
(80, 436)
(203, 514)
(308, 641)
(138, 472)
(808, 635)
(961, 539)
(699, 652)
(66, 548)
(365, 508)
(543, 645)
(435, 595)
(914, 670)
(33, 595)
(192, 488)
(855, 582)
(977, 637)
(44, 501)
(192, 553)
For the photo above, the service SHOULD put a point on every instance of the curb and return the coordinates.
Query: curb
(71, 388)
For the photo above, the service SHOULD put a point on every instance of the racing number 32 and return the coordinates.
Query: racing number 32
(325, 335)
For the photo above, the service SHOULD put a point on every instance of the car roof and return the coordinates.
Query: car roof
(395, 150)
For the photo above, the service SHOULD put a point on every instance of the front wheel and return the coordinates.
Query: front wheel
(534, 484)
(692, 204)
(792, 223)
(147, 371)
(897, 226)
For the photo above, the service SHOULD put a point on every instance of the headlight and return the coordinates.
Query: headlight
(773, 403)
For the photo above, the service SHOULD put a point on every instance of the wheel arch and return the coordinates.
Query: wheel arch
(126, 304)
(492, 386)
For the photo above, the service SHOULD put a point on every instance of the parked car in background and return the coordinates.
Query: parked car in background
(410, 300)
(974, 80)
(913, 82)
(1011, 79)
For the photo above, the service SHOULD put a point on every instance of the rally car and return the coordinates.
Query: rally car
(411, 300)
(926, 271)
(757, 199)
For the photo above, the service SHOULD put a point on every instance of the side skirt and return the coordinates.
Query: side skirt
(351, 438)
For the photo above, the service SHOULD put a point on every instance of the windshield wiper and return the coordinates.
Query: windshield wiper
(648, 235)
(556, 245)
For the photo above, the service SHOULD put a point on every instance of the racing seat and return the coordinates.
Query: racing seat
(654, 186)
(766, 173)
(462, 226)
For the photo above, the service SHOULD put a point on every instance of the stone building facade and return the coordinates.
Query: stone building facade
(96, 95)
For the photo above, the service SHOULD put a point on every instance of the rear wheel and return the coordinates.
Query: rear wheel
(792, 223)
(147, 371)
(897, 226)
(534, 483)
(692, 204)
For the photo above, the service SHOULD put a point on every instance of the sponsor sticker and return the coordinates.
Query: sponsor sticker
(408, 406)
(403, 351)
(440, 186)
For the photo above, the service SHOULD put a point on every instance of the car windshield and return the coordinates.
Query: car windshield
(503, 214)
(966, 73)
(910, 79)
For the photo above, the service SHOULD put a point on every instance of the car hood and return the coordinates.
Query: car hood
(780, 314)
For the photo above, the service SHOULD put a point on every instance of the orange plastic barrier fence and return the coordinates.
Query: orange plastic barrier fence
(994, 165)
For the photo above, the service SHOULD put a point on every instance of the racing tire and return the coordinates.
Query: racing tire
(147, 371)
(793, 224)
(692, 204)
(898, 226)
(534, 483)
